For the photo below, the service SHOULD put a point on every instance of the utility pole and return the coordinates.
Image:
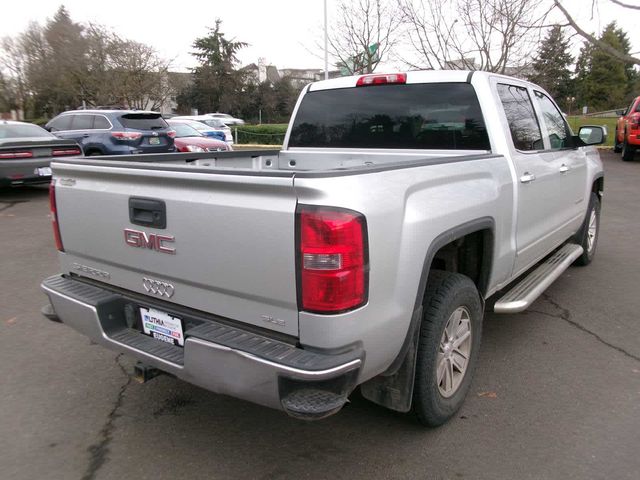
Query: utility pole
(326, 44)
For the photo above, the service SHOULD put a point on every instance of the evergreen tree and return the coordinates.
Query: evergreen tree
(603, 81)
(217, 82)
(551, 66)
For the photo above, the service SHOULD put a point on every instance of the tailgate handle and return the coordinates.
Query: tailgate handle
(147, 212)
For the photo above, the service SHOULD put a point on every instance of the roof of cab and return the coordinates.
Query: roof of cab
(415, 76)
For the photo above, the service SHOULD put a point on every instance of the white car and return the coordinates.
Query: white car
(227, 119)
(214, 123)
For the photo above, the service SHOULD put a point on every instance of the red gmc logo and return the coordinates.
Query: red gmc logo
(152, 241)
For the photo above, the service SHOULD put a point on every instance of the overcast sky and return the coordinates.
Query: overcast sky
(285, 32)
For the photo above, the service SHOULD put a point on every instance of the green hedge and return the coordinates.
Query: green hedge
(261, 134)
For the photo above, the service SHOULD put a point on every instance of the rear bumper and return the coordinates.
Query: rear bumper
(216, 356)
(22, 172)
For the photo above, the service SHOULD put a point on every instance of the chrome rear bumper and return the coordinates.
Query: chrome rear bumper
(217, 356)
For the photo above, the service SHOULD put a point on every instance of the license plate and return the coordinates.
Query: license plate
(154, 141)
(162, 326)
(43, 171)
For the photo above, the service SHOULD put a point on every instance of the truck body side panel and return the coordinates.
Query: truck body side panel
(406, 210)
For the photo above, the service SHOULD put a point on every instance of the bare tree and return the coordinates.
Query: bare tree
(141, 76)
(605, 47)
(489, 35)
(14, 62)
(363, 34)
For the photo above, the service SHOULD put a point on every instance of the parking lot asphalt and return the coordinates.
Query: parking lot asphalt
(556, 394)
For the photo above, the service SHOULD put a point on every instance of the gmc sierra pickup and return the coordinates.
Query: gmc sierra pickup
(361, 254)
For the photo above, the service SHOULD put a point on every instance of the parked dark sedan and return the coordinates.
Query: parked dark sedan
(114, 132)
(26, 151)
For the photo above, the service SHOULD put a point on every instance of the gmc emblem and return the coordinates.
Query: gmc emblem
(152, 241)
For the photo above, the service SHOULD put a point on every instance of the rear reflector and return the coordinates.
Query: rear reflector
(59, 152)
(54, 216)
(126, 135)
(10, 155)
(332, 259)
(381, 79)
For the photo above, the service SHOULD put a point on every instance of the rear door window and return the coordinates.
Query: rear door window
(101, 123)
(412, 116)
(143, 121)
(82, 122)
(523, 123)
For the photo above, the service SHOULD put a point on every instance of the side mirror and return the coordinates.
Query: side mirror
(621, 113)
(593, 134)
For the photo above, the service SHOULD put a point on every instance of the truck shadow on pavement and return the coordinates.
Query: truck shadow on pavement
(238, 439)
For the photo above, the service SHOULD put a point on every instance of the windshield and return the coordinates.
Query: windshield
(201, 127)
(213, 122)
(415, 116)
(22, 131)
(184, 130)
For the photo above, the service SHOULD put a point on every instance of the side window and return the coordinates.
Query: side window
(82, 122)
(557, 128)
(61, 123)
(521, 117)
(100, 122)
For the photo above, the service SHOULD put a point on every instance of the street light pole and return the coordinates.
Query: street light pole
(326, 44)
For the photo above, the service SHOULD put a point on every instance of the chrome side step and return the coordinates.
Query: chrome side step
(533, 285)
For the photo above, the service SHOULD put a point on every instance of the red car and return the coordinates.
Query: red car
(188, 139)
(627, 138)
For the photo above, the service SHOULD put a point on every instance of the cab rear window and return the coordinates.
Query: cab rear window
(415, 116)
(143, 121)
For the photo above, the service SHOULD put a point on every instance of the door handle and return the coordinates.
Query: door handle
(86, 135)
(527, 177)
(564, 168)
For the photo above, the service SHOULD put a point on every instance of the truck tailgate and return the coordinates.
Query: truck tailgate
(228, 247)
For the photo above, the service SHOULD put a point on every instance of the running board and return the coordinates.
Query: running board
(533, 285)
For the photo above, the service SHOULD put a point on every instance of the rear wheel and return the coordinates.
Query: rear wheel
(628, 151)
(589, 232)
(448, 346)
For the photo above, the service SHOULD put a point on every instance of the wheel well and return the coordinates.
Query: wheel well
(89, 151)
(469, 255)
(598, 188)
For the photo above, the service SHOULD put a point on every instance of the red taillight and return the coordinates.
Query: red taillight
(9, 155)
(171, 133)
(381, 79)
(126, 135)
(634, 121)
(332, 259)
(54, 216)
(65, 151)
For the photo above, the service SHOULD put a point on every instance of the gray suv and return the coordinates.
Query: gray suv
(114, 132)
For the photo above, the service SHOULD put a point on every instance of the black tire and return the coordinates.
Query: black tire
(617, 146)
(628, 151)
(446, 293)
(582, 238)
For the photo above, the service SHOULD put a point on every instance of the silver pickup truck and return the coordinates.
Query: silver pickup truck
(361, 254)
